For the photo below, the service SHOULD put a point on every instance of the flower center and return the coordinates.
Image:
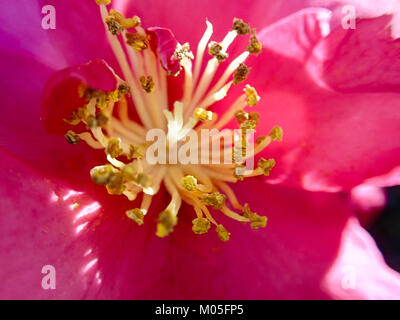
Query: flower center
(129, 172)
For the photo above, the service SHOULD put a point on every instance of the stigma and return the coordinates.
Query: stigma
(127, 171)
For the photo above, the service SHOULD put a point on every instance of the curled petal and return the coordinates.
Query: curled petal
(360, 271)
(60, 96)
(163, 42)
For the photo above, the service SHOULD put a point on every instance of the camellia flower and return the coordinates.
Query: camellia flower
(97, 208)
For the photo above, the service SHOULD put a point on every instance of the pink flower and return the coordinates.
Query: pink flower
(333, 91)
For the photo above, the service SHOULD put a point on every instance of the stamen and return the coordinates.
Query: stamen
(200, 225)
(144, 180)
(223, 234)
(202, 114)
(255, 46)
(241, 116)
(124, 22)
(166, 223)
(77, 116)
(276, 133)
(256, 221)
(136, 41)
(215, 49)
(215, 200)
(113, 25)
(240, 74)
(260, 139)
(116, 184)
(114, 147)
(248, 125)
(71, 137)
(266, 165)
(147, 83)
(182, 52)
(200, 50)
(189, 183)
(241, 27)
(251, 95)
(96, 121)
(106, 2)
(136, 215)
(102, 174)
(136, 152)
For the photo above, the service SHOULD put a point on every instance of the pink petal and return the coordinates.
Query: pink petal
(79, 35)
(96, 250)
(164, 44)
(324, 130)
(367, 201)
(287, 260)
(360, 271)
(98, 253)
(187, 18)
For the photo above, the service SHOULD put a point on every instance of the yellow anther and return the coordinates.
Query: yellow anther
(102, 174)
(266, 165)
(99, 96)
(91, 122)
(240, 73)
(251, 95)
(113, 26)
(200, 225)
(129, 23)
(254, 116)
(240, 26)
(130, 172)
(249, 124)
(241, 116)
(77, 116)
(183, 51)
(256, 221)
(102, 119)
(276, 133)
(136, 215)
(189, 183)
(116, 184)
(73, 119)
(260, 139)
(96, 121)
(106, 2)
(71, 137)
(255, 46)
(114, 95)
(123, 89)
(166, 223)
(215, 200)
(137, 41)
(215, 49)
(136, 152)
(223, 234)
(114, 147)
(147, 83)
(144, 180)
(126, 23)
(202, 114)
